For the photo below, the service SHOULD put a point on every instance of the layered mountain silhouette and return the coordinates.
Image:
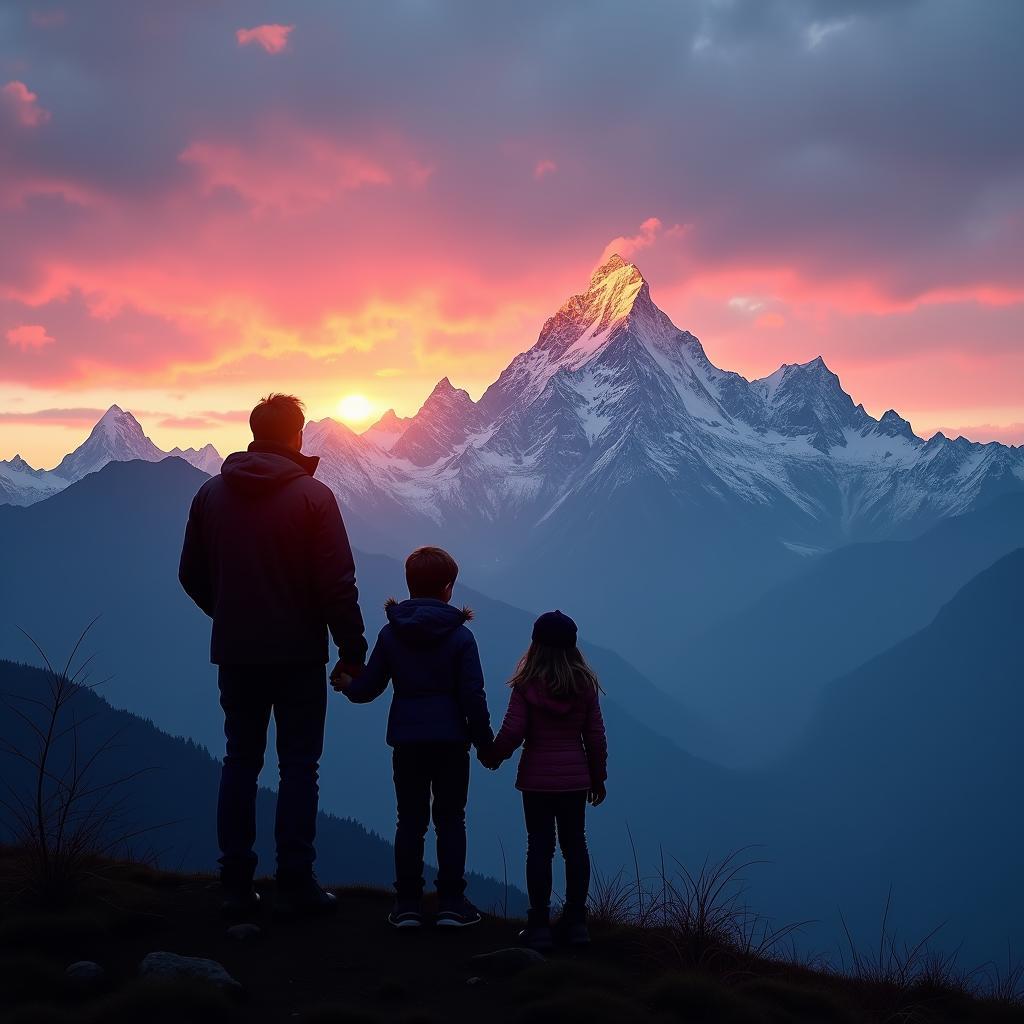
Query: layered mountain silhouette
(908, 775)
(848, 606)
(169, 799)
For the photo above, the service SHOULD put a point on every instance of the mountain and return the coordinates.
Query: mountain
(387, 430)
(613, 453)
(207, 458)
(174, 789)
(848, 606)
(908, 776)
(117, 437)
(20, 484)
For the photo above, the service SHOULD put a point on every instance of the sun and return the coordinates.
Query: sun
(355, 408)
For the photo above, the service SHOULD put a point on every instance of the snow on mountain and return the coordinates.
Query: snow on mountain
(117, 437)
(207, 458)
(20, 484)
(387, 430)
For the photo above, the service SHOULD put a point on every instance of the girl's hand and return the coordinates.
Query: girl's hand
(597, 794)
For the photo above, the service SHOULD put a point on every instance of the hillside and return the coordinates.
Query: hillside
(172, 803)
(911, 768)
(355, 969)
(847, 607)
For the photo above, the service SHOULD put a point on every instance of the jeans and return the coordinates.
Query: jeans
(296, 695)
(422, 770)
(546, 814)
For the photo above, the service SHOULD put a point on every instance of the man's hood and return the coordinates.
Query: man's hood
(423, 621)
(537, 695)
(266, 467)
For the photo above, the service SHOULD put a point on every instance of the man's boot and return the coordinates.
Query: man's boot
(299, 894)
(239, 897)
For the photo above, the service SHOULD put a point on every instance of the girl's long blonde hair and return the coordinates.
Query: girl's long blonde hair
(565, 672)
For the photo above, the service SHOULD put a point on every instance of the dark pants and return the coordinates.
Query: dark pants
(564, 814)
(422, 770)
(296, 695)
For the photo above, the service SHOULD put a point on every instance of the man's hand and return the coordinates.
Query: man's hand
(487, 759)
(597, 794)
(342, 675)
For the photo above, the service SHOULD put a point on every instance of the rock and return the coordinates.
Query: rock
(244, 932)
(504, 962)
(85, 975)
(170, 965)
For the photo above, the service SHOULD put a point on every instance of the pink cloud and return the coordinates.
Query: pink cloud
(28, 337)
(291, 170)
(24, 104)
(273, 38)
(628, 245)
(543, 168)
(54, 417)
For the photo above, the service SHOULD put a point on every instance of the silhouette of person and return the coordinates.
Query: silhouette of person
(267, 557)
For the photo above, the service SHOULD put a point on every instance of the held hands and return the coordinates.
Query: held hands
(487, 758)
(342, 675)
(597, 794)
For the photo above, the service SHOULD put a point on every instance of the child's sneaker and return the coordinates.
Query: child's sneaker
(572, 929)
(457, 913)
(537, 933)
(406, 914)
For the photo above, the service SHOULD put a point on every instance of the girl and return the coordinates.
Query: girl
(555, 713)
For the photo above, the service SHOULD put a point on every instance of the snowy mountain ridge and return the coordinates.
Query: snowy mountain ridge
(117, 437)
(613, 391)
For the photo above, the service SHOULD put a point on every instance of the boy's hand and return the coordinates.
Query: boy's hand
(597, 794)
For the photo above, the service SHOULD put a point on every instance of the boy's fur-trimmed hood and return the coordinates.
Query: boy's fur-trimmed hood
(424, 621)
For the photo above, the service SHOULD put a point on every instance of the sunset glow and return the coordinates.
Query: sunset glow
(355, 409)
(310, 206)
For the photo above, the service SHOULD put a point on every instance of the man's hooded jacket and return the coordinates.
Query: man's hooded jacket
(266, 556)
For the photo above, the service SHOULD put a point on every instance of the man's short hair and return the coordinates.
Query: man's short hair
(429, 570)
(277, 418)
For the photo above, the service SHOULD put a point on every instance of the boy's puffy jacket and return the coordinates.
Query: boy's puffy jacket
(564, 744)
(431, 658)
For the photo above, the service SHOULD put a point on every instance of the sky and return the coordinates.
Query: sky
(203, 202)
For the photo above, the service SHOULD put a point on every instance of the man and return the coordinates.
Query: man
(266, 556)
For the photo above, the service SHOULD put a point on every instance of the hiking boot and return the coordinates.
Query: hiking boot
(238, 902)
(238, 896)
(537, 933)
(572, 929)
(303, 896)
(456, 912)
(406, 914)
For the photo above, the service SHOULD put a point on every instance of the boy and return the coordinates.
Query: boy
(438, 709)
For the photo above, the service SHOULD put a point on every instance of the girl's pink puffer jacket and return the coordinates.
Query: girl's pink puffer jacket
(564, 744)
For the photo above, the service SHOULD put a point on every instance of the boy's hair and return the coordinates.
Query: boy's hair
(277, 418)
(429, 570)
(565, 672)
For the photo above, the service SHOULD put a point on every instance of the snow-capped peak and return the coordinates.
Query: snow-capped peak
(117, 437)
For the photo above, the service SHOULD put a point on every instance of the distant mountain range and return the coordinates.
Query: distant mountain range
(117, 437)
(612, 469)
